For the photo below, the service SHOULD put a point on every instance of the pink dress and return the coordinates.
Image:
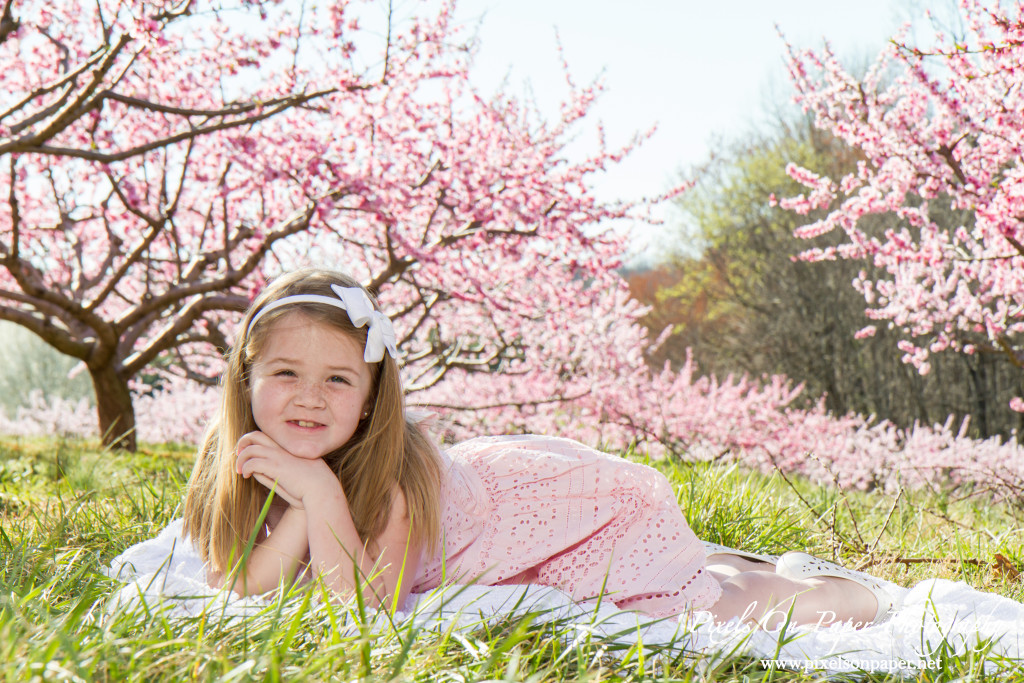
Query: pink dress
(534, 509)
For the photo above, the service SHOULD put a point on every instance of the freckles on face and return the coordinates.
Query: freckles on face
(309, 386)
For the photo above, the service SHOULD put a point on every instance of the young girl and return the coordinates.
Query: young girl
(313, 411)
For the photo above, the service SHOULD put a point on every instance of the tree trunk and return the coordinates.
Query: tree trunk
(115, 409)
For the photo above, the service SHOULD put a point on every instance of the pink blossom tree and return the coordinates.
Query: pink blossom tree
(939, 124)
(161, 159)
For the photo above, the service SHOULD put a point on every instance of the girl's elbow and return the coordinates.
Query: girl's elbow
(243, 585)
(215, 579)
(372, 595)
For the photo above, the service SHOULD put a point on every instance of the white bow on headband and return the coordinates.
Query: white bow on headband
(380, 335)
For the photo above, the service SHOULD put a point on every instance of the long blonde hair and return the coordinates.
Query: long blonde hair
(222, 508)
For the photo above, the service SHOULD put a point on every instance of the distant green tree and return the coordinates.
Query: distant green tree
(743, 303)
(27, 364)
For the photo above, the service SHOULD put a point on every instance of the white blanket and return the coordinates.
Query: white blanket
(167, 570)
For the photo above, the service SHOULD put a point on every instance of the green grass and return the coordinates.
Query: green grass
(67, 508)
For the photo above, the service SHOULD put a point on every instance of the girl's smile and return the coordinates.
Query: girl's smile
(310, 386)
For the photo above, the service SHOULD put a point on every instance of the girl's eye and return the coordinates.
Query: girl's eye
(284, 373)
(338, 379)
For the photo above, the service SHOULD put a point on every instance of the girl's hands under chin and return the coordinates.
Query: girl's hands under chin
(292, 478)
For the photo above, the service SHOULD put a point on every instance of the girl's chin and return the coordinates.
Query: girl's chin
(307, 454)
(302, 450)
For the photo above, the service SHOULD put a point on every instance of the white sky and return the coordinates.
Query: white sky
(695, 68)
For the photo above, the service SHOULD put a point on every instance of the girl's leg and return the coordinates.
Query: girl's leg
(767, 599)
(724, 565)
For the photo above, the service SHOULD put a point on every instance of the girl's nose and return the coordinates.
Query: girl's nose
(309, 394)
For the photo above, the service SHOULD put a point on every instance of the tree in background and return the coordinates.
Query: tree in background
(754, 309)
(744, 304)
(161, 159)
(937, 125)
(26, 366)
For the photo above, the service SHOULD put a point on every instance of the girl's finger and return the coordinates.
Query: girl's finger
(244, 457)
(266, 481)
(250, 451)
(252, 463)
(245, 467)
(253, 439)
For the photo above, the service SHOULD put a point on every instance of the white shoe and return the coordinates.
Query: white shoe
(716, 549)
(800, 566)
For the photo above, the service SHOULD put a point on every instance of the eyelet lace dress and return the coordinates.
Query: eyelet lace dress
(536, 509)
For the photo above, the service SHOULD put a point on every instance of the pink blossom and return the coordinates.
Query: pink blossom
(945, 122)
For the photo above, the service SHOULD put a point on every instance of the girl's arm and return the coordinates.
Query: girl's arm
(336, 551)
(274, 561)
(400, 553)
(387, 567)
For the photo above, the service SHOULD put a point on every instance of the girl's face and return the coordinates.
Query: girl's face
(310, 386)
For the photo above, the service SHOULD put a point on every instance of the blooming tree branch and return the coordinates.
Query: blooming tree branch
(936, 125)
(163, 159)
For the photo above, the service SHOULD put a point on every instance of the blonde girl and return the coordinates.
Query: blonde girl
(357, 481)
(313, 411)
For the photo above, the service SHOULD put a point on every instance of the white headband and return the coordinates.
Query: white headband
(379, 336)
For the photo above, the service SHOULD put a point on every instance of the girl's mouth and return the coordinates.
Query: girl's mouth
(305, 424)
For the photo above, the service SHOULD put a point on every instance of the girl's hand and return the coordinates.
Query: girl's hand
(291, 478)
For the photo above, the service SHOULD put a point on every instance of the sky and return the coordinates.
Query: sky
(696, 68)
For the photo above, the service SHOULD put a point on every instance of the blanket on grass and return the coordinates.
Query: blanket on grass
(934, 617)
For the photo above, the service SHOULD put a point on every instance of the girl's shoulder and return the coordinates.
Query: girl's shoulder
(522, 444)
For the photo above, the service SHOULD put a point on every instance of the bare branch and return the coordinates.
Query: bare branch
(892, 508)
(8, 24)
(1007, 348)
(170, 336)
(72, 110)
(183, 364)
(473, 227)
(451, 358)
(103, 22)
(387, 44)
(28, 144)
(12, 198)
(431, 217)
(44, 328)
(66, 82)
(946, 152)
(1016, 243)
(396, 265)
(34, 289)
(423, 317)
(114, 243)
(133, 258)
(230, 110)
(182, 290)
(427, 176)
(181, 10)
